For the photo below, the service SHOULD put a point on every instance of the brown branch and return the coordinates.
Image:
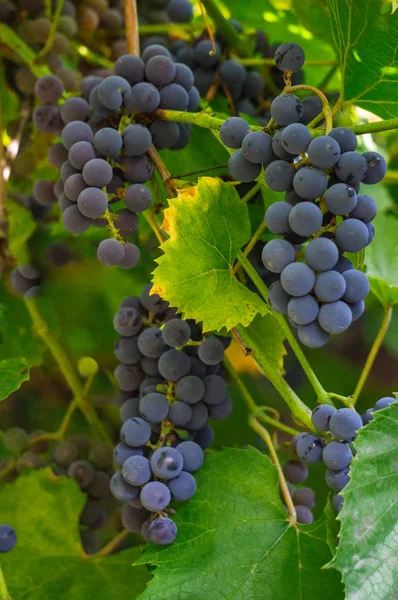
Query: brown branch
(131, 20)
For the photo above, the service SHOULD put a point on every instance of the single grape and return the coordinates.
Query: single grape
(231, 73)
(303, 514)
(67, 171)
(122, 452)
(344, 423)
(341, 199)
(211, 351)
(277, 254)
(296, 138)
(160, 70)
(162, 531)
(337, 455)
(65, 453)
(111, 91)
(76, 131)
(278, 298)
(183, 487)
(329, 286)
(278, 149)
(136, 470)
(80, 153)
(130, 408)
(180, 413)
(97, 172)
(173, 365)
(277, 217)
(343, 265)
(321, 254)
(194, 99)
(92, 202)
(47, 118)
(192, 455)
(135, 432)
(352, 235)
(15, 439)
(346, 138)
(215, 390)
(219, 411)
(305, 219)
(184, 76)
(174, 97)
(190, 389)
(128, 377)
(128, 322)
(133, 518)
(137, 197)
(203, 53)
(335, 317)
(57, 154)
(8, 538)
(377, 168)
(75, 109)
(337, 502)
(74, 221)
(110, 252)
(241, 168)
(143, 97)
(321, 416)
(367, 416)
(279, 176)
(309, 448)
(312, 108)
(357, 286)
(384, 402)
(351, 167)
(166, 463)
(154, 407)
(49, 89)
(304, 496)
(256, 146)
(295, 471)
(204, 436)
(286, 109)
(297, 279)
(357, 309)
(233, 131)
(303, 310)
(83, 473)
(164, 134)
(337, 480)
(365, 209)
(323, 152)
(154, 49)
(309, 183)
(122, 490)
(289, 57)
(108, 141)
(150, 342)
(136, 140)
(176, 332)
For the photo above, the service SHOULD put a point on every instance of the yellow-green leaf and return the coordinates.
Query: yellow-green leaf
(208, 224)
(21, 227)
(13, 372)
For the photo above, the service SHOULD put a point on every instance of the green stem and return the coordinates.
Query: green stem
(202, 119)
(321, 394)
(277, 424)
(90, 56)
(4, 595)
(67, 369)
(174, 28)
(252, 406)
(50, 40)
(373, 352)
(224, 27)
(390, 177)
(299, 410)
(343, 399)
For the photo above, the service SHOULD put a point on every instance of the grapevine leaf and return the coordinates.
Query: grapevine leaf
(367, 554)
(314, 15)
(332, 525)
(9, 38)
(368, 76)
(21, 227)
(267, 336)
(207, 225)
(44, 511)
(382, 260)
(13, 372)
(235, 542)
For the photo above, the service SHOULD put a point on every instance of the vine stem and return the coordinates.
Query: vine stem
(321, 394)
(4, 595)
(50, 40)
(256, 235)
(346, 401)
(373, 352)
(263, 433)
(67, 369)
(60, 433)
(227, 31)
(162, 170)
(325, 103)
(131, 20)
(112, 545)
(299, 410)
(150, 218)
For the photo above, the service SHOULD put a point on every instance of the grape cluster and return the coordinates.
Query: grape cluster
(26, 280)
(323, 215)
(89, 464)
(171, 381)
(296, 472)
(99, 155)
(336, 454)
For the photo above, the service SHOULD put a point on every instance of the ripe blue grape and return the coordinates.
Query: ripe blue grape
(97, 172)
(162, 531)
(321, 416)
(289, 57)
(232, 132)
(154, 50)
(346, 138)
(303, 310)
(110, 252)
(192, 455)
(215, 390)
(218, 411)
(278, 148)
(305, 219)
(184, 76)
(128, 377)
(241, 168)
(344, 423)
(190, 389)
(377, 167)
(357, 309)
(131, 407)
(329, 286)
(136, 140)
(337, 455)
(312, 108)
(335, 317)
(203, 53)
(231, 73)
(74, 221)
(122, 490)
(130, 67)
(309, 448)
(111, 90)
(80, 153)
(323, 152)
(128, 322)
(295, 471)
(137, 197)
(8, 538)
(47, 118)
(278, 298)
(92, 202)
(135, 432)
(337, 480)
(143, 97)
(343, 265)
(173, 365)
(256, 146)
(279, 176)
(211, 351)
(341, 199)
(286, 109)
(277, 254)
(365, 209)
(321, 254)
(107, 141)
(174, 97)
(180, 413)
(75, 109)
(176, 332)
(49, 89)
(309, 183)
(133, 518)
(155, 496)
(154, 407)
(296, 138)
(150, 343)
(160, 70)
(183, 487)
(166, 462)
(76, 131)
(164, 134)
(303, 514)
(384, 402)
(351, 167)
(352, 235)
(297, 279)
(357, 286)
(337, 502)
(136, 470)
(304, 496)
(313, 335)
(204, 436)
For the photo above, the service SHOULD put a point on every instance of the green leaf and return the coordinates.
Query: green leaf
(315, 17)
(21, 227)
(235, 542)
(13, 372)
(367, 554)
(267, 337)
(332, 525)
(44, 511)
(382, 260)
(207, 224)
(366, 41)
(22, 50)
